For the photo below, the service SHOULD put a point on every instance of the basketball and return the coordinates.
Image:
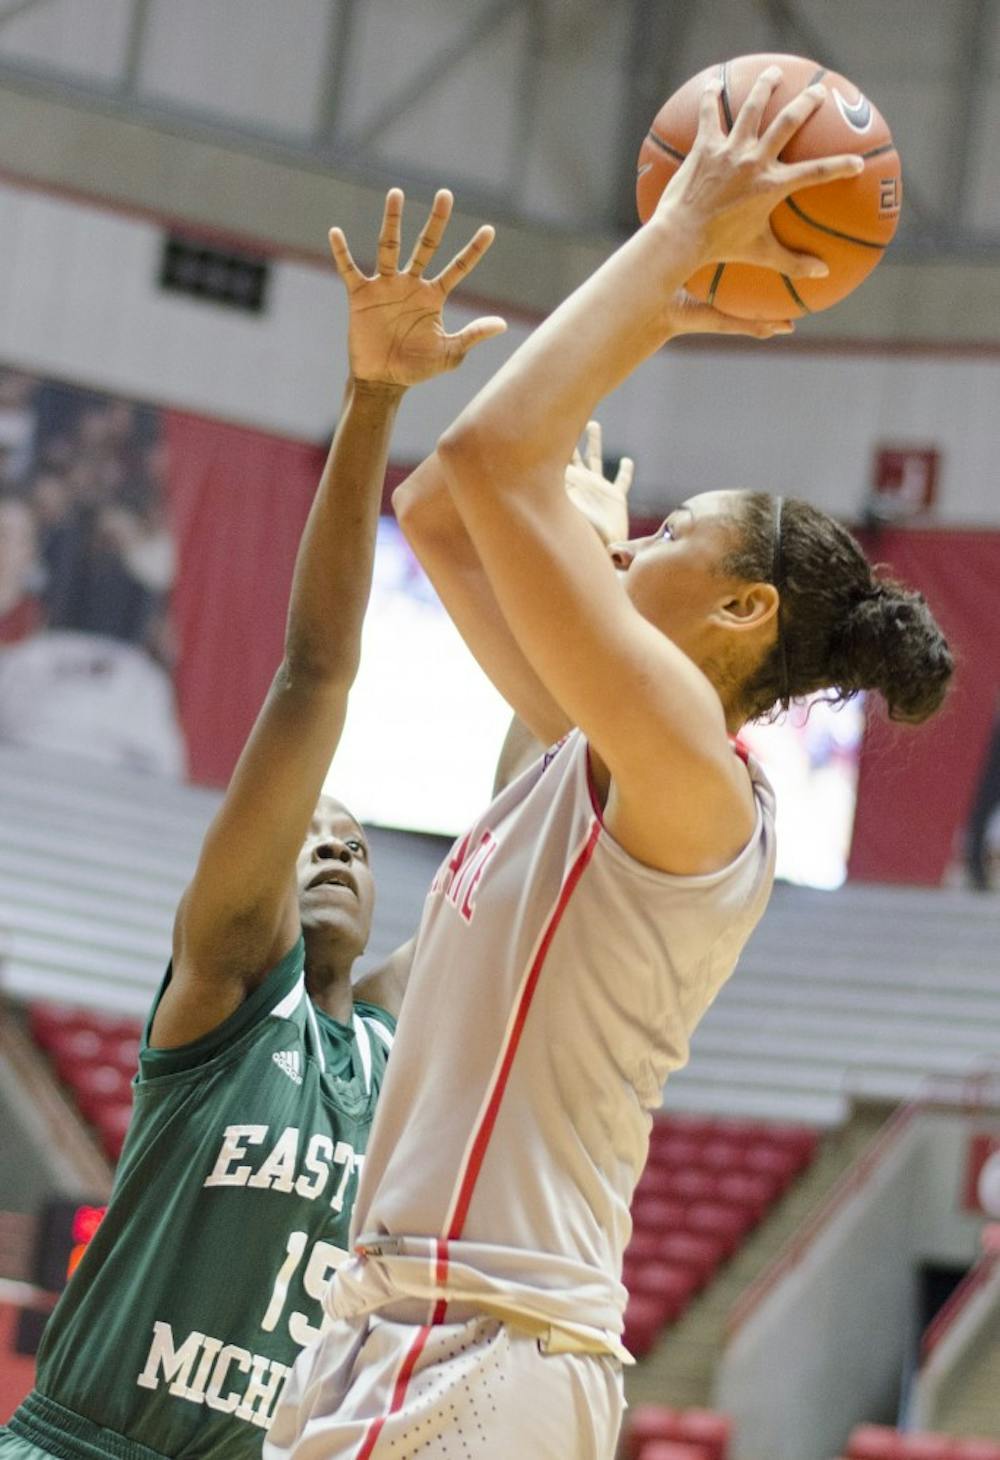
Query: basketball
(848, 223)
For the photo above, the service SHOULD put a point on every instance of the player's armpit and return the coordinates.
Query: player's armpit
(434, 529)
(386, 985)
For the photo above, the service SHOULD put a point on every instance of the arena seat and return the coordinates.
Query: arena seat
(691, 1186)
(112, 1122)
(668, 1285)
(656, 1181)
(672, 1450)
(98, 1086)
(771, 1161)
(644, 1425)
(655, 1213)
(873, 1442)
(748, 1192)
(699, 1431)
(922, 1446)
(974, 1449)
(700, 1255)
(720, 1155)
(728, 1225)
(643, 1322)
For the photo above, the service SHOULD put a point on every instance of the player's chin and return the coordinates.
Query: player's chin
(342, 925)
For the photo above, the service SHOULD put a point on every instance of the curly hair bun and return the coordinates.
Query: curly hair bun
(890, 642)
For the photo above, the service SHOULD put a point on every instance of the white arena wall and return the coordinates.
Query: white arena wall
(79, 300)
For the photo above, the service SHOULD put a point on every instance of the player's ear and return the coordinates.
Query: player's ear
(751, 607)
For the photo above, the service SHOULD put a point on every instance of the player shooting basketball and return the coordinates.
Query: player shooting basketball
(260, 1070)
(577, 933)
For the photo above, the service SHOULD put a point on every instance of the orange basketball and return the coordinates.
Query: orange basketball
(848, 223)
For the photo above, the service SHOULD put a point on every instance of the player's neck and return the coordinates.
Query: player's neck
(328, 980)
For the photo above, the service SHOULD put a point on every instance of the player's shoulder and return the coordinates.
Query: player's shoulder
(280, 996)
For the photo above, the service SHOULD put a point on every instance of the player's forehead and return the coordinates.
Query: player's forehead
(717, 505)
(332, 815)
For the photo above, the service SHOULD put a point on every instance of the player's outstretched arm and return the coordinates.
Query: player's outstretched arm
(239, 915)
(677, 799)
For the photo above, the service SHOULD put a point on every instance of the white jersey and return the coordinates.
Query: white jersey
(555, 985)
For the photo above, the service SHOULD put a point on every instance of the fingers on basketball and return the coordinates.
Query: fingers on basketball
(839, 198)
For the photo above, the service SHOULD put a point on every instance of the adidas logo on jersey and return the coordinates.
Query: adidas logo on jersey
(289, 1061)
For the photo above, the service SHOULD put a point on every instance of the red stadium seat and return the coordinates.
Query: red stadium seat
(115, 1026)
(48, 1020)
(672, 1450)
(701, 1255)
(688, 1127)
(123, 1051)
(677, 1153)
(112, 1122)
(923, 1446)
(655, 1181)
(749, 1191)
(706, 1429)
(656, 1213)
(722, 1156)
(98, 1086)
(644, 1425)
(874, 1442)
(72, 1047)
(644, 1245)
(801, 1139)
(740, 1132)
(728, 1225)
(693, 1186)
(670, 1287)
(643, 1323)
(771, 1161)
(974, 1449)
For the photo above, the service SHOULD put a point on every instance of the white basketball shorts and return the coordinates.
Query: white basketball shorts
(372, 1389)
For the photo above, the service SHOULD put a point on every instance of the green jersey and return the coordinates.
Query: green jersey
(230, 1212)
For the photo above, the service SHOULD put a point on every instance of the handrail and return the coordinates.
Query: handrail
(974, 1092)
(976, 1278)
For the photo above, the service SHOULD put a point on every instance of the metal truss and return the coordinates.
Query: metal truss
(655, 60)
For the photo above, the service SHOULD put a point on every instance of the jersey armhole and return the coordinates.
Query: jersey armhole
(279, 993)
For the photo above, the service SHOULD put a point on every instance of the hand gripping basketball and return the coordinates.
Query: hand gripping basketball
(726, 189)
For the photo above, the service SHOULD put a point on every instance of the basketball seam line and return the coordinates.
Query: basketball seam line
(878, 151)
(795, 294)
(833, 232)
(716, 280)
(724, 97)
(666, 147)
(820, 73)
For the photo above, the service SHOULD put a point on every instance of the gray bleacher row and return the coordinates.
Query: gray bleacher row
(865, 991)
(93, 861)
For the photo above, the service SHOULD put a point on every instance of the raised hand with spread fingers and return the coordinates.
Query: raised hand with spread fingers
(397, 335)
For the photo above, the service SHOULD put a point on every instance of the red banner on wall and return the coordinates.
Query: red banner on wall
(238, 500)
(916, 785)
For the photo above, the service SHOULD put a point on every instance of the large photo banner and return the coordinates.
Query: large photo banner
(87, 565)
(145, 557)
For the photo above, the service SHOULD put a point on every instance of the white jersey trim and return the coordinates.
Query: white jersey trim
(379, 1030)
(314, 1026)
(364, 1050)
(286, 1007)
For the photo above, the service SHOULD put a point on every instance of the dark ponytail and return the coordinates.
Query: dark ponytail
(843, 629)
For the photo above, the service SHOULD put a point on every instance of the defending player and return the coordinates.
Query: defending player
(579, 930)
(259, 1073)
